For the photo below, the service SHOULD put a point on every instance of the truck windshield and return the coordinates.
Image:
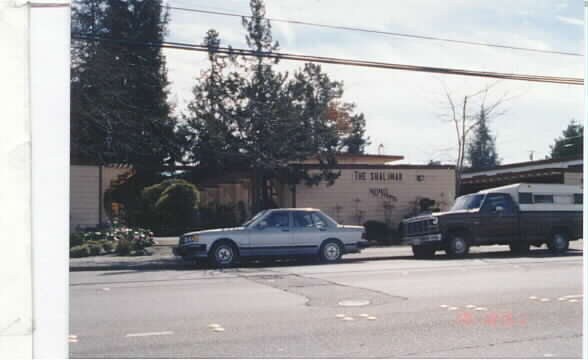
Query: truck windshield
(468, 202)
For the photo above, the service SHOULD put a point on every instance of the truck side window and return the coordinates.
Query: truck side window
(525, 198)
(494, 200)
(542, 199)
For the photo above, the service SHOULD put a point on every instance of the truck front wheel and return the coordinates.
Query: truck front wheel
(423, 251)
(559, 243)
(457, 246)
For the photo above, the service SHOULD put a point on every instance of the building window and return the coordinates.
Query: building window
(420, 178)
(578, 199)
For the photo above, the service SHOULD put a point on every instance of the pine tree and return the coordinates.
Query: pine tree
(570, 144)
(119, 97)
(211, 121)
(481, 152)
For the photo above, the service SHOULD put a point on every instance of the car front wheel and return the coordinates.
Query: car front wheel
(331, 251)
(223, 254)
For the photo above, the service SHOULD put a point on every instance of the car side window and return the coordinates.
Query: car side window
(494, 200)
(318, 220)
(278, 219)
(302, 219)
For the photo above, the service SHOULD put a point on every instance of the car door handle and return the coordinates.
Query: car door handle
(285, 230)
(322, 229)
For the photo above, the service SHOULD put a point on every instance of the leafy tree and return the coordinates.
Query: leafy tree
(571, 143)
(481, 151)
(210, 122)
(351, 127)
(119, 93)
(260, 120)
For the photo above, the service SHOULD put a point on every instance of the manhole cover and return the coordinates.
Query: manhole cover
(354, 302)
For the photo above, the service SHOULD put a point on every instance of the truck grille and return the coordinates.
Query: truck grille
(420, 227)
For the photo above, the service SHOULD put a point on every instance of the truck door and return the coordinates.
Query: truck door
(498, 219)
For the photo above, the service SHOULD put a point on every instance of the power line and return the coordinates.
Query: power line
(336, 61)
(379, 32)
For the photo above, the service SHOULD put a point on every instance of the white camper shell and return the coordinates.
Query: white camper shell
(543, 197)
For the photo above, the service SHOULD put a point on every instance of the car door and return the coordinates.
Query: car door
(307, 232)
(272, 235)
(498, 219)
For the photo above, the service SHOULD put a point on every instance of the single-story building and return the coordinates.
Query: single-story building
(87, 186)
(551, 171)
(370, 187)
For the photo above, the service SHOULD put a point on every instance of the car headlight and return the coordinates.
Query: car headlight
(188, 239)
(435, 221)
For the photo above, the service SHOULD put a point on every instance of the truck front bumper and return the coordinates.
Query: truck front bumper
(428, 239)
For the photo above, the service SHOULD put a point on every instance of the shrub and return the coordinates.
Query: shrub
(121, 240)
(123, 247)
(108, 246)
(76, 239)
(79, 251)
(170, 206)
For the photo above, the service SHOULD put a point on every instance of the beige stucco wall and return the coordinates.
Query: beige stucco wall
(573, 178)
(85, 193)
(340, 200)
(84, 196)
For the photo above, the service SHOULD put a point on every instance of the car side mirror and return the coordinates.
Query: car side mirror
(262, 225)
(499, 208)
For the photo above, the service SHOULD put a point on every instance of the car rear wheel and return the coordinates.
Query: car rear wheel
(331, 251)
(423, 252)
(457, 246)
(559, 243)
(223, 254)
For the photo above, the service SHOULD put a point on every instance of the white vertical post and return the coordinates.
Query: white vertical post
(15, 186)
(49, 48)
(584, 179)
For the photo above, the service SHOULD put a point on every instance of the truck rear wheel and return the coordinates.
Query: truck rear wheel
(457, 246)
(558, 243)
(423, 252)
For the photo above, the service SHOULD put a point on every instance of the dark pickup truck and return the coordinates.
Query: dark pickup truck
(518, 215)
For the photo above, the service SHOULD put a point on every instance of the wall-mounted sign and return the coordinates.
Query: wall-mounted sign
(381, 193)
(376, 176)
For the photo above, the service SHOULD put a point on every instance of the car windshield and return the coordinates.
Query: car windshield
(248, 222)
(468, 202)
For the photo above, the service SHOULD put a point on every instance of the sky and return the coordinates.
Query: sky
(406, 112)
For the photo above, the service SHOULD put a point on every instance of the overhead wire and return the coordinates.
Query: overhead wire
(379, 32)
(336, 61)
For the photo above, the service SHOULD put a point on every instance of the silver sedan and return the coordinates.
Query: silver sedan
(275, 232)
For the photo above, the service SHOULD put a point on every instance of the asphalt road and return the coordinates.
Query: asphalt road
(381, 303)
